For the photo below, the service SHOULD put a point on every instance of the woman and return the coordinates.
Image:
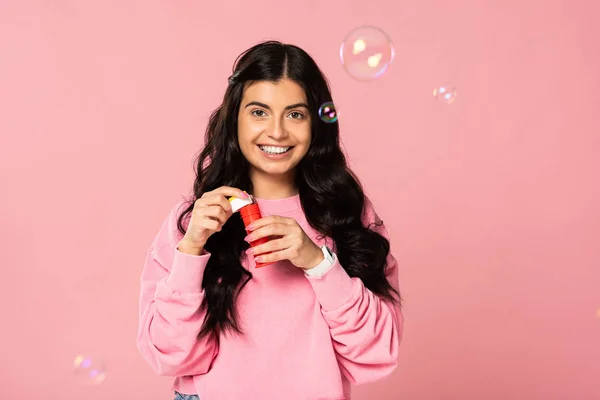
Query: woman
(326, 313)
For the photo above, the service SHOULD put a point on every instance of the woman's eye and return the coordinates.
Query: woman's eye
(296, 115)
(259, 113)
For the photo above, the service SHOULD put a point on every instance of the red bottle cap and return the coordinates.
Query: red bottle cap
(250, 213)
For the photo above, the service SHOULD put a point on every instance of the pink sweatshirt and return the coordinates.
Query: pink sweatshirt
(306, 338)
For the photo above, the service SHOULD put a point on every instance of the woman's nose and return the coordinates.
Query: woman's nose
(278, 130)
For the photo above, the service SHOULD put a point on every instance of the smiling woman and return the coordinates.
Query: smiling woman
(325, 313)
(273, 124)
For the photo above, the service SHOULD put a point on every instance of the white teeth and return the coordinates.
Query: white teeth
(274, 149)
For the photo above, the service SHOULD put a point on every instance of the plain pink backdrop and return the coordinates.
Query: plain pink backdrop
(492, 202)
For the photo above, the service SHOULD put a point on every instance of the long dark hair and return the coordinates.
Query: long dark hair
(331, 195)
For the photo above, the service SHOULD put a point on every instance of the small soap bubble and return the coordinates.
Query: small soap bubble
(366, 53)
(328, 113)
(89, 371)
(445, 93)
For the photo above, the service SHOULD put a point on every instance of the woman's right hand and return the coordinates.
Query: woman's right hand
(210, 213)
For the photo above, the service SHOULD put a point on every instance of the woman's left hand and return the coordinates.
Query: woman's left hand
(290, 242)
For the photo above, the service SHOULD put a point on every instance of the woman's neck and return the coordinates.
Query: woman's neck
(273, 193)
(271, 187)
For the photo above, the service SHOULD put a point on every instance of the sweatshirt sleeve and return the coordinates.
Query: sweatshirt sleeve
(171, 294)
(365, 330)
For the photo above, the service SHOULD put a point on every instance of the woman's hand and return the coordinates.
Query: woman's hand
(210, 213)
(290, 242)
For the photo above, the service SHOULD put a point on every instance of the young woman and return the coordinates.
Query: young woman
(326, 313)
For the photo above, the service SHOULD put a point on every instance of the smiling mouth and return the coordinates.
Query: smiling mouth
(275, 149)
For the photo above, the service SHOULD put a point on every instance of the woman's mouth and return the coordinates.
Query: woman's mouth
(275, 150)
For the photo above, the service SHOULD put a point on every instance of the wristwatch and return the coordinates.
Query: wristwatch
(324, 266)
(327, 253)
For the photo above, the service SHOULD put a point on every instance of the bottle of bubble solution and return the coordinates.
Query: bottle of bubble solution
(250, 212)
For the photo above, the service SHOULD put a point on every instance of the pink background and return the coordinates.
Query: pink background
(492, 202)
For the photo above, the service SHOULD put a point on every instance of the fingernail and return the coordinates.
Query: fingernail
(248, 238)
(250, 227)
(244, 195)
(258, 259)
(250, 251)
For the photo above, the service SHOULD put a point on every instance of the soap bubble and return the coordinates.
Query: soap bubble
(328, 113)
(89, 371)
(366, 53)
(445, 93)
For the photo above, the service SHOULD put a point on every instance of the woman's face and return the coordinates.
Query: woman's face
(274, 127)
